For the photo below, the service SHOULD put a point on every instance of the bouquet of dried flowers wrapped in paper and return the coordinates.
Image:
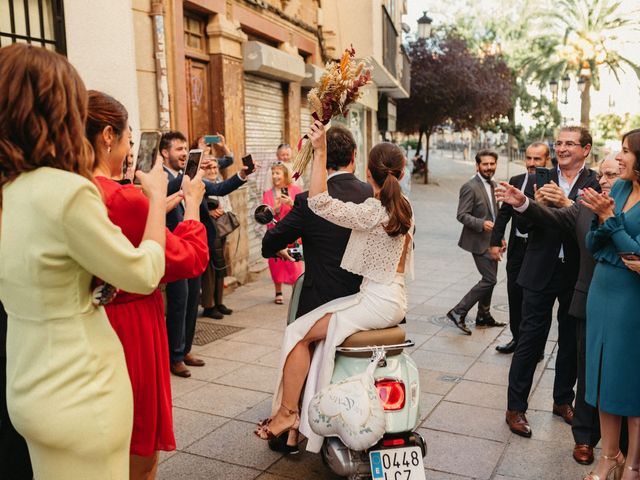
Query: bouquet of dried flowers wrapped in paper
(339, 87)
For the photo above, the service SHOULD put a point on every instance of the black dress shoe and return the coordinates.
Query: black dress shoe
(458, 320)
(488, 321)
(223, 310)
(212, 312)
(507, 347)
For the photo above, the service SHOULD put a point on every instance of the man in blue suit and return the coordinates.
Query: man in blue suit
(183, 295)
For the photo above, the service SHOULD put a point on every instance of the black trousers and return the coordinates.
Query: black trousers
(586, 422)
(15, 463)
(514, 291)
(482, 291)
(537, 309)
(182, 313)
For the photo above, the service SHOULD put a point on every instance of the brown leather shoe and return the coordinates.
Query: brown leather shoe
(518, 423)
(583, 454)
(565, 411)
(180, 369)
(193, 361)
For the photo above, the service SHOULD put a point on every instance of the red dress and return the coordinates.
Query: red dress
(283, 271)
(139, 320)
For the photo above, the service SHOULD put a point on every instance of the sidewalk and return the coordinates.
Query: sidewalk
(463, 379)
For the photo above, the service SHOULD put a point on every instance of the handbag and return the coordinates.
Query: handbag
(350, 409)
(226, 223)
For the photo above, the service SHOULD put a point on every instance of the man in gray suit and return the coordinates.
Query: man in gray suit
(477, 210)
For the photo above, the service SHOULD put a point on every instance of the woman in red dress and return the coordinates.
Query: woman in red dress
(281, 198)
(139, 320)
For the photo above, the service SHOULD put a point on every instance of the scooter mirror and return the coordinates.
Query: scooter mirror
(264, 215)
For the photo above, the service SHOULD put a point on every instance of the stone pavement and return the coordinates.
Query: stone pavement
(463, 379)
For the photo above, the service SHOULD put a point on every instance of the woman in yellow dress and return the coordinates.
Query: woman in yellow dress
(68, 392)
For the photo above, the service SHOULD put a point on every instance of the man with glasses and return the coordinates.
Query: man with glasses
(575, 219)
(536, 155)
(549, 272)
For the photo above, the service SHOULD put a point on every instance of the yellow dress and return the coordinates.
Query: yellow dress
(68, 391)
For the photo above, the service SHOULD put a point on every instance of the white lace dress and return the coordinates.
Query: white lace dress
(380, 303)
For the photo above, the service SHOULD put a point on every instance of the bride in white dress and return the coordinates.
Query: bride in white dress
(381, 250)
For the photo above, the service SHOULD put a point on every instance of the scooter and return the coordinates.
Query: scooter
(399, 454)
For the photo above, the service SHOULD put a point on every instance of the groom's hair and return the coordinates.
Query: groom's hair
(340, 147)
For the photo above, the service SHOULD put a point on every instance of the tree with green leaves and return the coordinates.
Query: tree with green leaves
(580, 38)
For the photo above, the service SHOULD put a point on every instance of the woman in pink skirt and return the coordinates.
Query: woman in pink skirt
(280, 197)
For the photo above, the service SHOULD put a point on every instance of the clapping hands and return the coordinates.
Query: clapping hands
(599, 203)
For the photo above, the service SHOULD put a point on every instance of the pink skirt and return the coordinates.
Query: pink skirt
(284, 271)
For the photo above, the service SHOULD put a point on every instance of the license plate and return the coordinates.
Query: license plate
(397, 464)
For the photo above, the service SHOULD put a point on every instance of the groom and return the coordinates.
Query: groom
(324, 243)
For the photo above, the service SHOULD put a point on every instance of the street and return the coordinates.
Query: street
(463, 379)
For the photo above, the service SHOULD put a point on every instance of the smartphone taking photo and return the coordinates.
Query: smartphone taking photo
(284, 191)
(542, 176)
(631, 256)
(193, 162)
(148, 151)
(248, 162)
(209, 139)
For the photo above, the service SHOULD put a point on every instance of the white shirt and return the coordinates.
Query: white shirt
(566, 188)
(524, 184)
(338, 172)
(487, 186)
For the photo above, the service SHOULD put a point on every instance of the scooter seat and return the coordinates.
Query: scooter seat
(368, 338)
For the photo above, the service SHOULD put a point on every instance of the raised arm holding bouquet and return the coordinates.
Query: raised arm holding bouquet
(339, 87)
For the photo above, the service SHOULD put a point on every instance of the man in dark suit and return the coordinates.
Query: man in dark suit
(574, 219)
(324, 243)
(15, 463)
(183, 295)
(477, 210)
(549, 272)
(536, 155)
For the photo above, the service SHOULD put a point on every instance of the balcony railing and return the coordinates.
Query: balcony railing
(389, 43)
(406, 71)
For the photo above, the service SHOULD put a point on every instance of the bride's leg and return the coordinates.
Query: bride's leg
(294, 374)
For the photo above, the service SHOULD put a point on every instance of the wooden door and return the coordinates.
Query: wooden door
(199, 109)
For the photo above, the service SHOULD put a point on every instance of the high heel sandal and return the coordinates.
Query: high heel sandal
(633, 469)
(614, 473)
(263, 432)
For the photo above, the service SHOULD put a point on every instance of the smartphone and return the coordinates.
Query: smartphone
(633, 256)
(148, 151)
(209, 139)
(248, 162)
(542, 176)
(284, 191)
(193, 162)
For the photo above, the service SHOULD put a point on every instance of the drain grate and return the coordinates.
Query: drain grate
(208, 332)
(440, 320)
(450, 378)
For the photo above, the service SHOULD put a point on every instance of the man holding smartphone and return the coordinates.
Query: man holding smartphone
(549, 272)
(183, 295)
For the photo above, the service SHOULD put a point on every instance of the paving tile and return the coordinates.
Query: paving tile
(238, 351)
(190, 426)
(235, 442)
(460, 455)
(549, 427)
(183, 466)
(435, 475)
(458, 344)
(214, 368)
(533, 459)
(442, 362)
(468, 420)
(220, 400)
(480, 394)
(259, 336)
(307, 466)
(259, 412)
(428, 402)
(432, 381)
(271, 359)
(485, 372)
(252, 377)
(180, 386)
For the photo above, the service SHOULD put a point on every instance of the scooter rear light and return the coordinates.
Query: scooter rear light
(393, 442)
(391, 393)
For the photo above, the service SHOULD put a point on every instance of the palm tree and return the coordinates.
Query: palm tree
(582, 40)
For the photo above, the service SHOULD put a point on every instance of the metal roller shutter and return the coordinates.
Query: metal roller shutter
(264, 131)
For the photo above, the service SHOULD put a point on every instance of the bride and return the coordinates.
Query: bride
(379, 249)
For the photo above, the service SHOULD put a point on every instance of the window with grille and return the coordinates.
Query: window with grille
(38, 22)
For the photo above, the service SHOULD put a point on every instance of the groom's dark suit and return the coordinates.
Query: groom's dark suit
(324, 244)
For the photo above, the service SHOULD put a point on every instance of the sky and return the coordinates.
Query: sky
(620, 98)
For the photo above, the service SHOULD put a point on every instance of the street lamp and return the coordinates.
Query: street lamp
(553, 86)
(424, 26)
(566, 81)
(582, 83)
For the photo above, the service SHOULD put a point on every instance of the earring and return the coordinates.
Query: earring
(109, 149)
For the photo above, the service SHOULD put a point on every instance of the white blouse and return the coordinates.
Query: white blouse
(371, 252)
